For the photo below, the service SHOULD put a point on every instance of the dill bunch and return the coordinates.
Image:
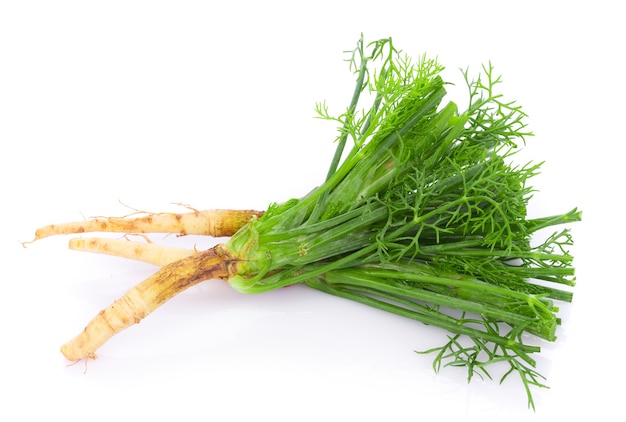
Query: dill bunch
(425, 216)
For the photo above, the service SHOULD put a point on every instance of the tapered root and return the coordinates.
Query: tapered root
(145, 297)
(216, 223)
(140, 251)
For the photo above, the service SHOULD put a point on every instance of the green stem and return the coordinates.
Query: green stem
(351, 109)
(430, 318)
(465, 294)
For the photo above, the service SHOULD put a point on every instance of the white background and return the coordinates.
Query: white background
(153, 103)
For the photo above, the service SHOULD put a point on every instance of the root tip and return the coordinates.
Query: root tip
(25, 244)
(74, 356)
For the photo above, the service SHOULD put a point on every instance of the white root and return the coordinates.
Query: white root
(180, 268)
(144, 298)
(140, 251)
(216, 223)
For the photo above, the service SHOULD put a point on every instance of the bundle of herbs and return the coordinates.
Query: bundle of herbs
(424, 215)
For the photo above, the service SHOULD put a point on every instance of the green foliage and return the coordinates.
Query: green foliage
(424, 216)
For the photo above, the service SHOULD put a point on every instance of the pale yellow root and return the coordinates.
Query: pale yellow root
(145, 297)
(216, 223)
(139, 251)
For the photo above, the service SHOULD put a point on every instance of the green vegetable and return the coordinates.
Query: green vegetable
(425, 217)
(423, 214)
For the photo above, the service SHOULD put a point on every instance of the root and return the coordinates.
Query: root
(139, 251)
(145, 297)
(216, 223)
(182, 268)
